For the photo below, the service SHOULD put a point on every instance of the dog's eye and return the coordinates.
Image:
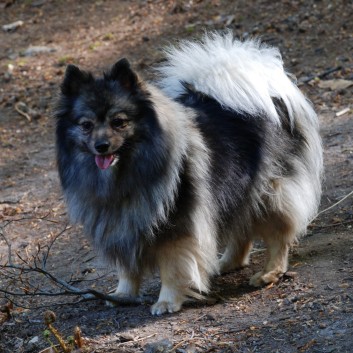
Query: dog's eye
(118, 123)
(87, 126)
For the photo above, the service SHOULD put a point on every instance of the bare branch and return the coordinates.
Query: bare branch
(46, 255)
(69, 290)
(20, 276)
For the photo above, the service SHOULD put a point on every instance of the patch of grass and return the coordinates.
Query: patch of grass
(94, 45)
(66, 59)
(108, 36)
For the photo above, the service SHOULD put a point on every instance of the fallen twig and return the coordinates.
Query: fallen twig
(20, 111)
(67, 289)
(332, 225)
(137, 339)
(334, 205)
(343, 111)
(32, 218)
(322, 74)
(182, 342)
(20, 277)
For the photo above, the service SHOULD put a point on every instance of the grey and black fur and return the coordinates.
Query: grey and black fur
(206, 160)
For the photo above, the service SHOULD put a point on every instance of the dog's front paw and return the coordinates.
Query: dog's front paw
(261, 279)
(162, 307)
(170, 300)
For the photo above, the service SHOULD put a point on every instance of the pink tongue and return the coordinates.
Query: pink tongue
(103, 162)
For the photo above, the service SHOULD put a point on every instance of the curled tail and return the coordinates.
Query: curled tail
(248, 77)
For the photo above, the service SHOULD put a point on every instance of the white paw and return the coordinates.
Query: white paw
(170, 300)
(162, 307)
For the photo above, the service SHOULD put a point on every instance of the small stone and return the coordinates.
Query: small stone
(38, 3)
(304, 26)
(7, 77)
(163, 346)
(126, 337)
(190, 348)
(36, 50)
(35, 339)
(33, 342)
(11, 27)
(342, 58)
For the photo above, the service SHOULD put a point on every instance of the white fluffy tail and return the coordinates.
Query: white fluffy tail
(244, 76)
(247, 77)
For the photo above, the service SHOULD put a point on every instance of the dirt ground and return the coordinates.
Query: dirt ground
(311, 310)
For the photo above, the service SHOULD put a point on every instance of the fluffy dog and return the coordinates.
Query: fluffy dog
(221, 150)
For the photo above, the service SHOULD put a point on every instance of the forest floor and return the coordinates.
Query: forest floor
(310, 310)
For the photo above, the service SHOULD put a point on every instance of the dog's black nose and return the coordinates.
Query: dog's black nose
(102, 146)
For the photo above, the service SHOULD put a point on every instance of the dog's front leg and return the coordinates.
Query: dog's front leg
(171, 296)
(177, 266)
(184, 271)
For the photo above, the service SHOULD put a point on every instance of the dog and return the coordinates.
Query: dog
(220, 150)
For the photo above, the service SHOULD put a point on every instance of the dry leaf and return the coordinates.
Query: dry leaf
(335, 85)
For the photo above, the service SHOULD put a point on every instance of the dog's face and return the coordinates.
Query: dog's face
(103, 136)
(101, 114)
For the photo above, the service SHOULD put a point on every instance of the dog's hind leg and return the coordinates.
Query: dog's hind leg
(236, 255)
(278, 234)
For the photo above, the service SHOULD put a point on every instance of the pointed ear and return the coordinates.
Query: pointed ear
(122, 72)
(74, 79)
